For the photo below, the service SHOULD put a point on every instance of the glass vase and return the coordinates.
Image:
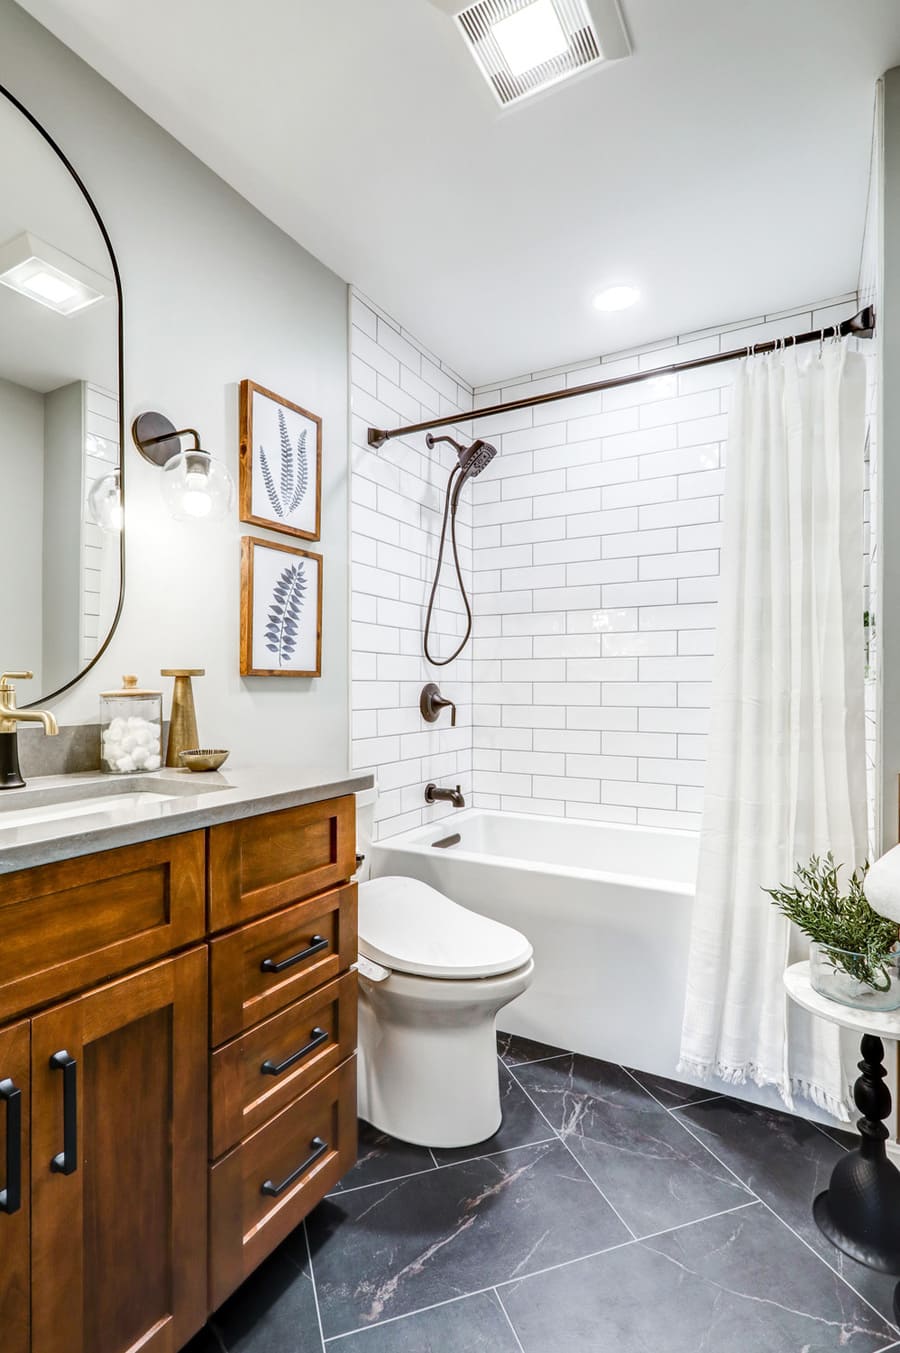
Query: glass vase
(853, 979)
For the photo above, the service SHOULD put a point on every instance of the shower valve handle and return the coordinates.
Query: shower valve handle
(431, 702)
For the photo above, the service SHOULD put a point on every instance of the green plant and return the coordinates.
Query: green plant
(839, 923)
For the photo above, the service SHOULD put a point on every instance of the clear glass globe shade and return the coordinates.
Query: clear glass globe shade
(105, 503)
(197, 488)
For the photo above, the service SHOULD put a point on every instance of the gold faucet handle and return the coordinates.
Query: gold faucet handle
(7, 677)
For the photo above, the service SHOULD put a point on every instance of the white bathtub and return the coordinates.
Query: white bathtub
(607, 909)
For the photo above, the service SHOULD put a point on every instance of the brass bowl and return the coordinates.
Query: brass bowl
(203, 758)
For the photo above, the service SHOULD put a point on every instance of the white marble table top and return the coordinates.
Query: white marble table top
(881, 1023)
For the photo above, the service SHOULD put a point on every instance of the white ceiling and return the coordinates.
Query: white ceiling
(722, 168)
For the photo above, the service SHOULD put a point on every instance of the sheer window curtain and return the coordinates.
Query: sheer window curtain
(786, 760)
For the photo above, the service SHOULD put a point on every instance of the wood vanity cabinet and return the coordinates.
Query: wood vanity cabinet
(177, 1073)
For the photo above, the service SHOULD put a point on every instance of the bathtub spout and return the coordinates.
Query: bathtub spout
(435, 795)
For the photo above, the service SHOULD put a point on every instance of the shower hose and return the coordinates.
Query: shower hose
(454, 484)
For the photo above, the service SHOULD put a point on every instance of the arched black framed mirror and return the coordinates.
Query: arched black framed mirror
(62, 489)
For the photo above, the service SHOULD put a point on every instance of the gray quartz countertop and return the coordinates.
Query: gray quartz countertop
(59, 817)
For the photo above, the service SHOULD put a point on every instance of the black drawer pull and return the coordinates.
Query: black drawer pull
(275, 1190)
(11, 1196)
(315, 944)
(269, 1068)
(66, 1162)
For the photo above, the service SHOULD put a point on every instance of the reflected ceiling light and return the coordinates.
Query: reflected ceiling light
(194, 487)
(616, 298)
(44, 274)
(105, 503)
(524, 46)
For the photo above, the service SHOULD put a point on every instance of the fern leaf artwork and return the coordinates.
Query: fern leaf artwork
(269, 482)
(287, 460)
(302, 473)
(285, 608)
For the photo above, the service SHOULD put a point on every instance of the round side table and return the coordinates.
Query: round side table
(859, 1212)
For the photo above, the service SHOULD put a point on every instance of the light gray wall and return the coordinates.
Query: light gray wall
(21, 533)
(889, 464)
(213, 293)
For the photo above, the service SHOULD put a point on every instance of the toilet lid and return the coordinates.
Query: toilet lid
(408, 926)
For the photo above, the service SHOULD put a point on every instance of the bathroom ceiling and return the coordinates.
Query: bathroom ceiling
(722, 168)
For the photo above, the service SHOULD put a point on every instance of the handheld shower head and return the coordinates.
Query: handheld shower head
(472, 459)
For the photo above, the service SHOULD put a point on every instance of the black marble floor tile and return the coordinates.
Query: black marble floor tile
(514, 1050)
(274, 1311)
(522, 1124)
(672, 1094)
(786, 1161)
(655, 1174)
(395, 1248)
(740, 1283)
(381, 1157)
(204, 1342)
(473, 1325)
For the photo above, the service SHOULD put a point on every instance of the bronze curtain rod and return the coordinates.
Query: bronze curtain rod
(860, 325)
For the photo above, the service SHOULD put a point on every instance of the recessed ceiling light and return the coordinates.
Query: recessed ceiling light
(525, 46)
(530, 36)
(616, 298)
(46, 275)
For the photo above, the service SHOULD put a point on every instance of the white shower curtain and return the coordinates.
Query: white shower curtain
(786, 757)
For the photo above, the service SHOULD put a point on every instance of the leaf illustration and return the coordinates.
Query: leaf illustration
(302, 473)
(283, 624)
(287, 459)
(270, 484)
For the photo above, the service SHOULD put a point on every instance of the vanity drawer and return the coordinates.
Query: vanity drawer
(260, 863)
(296, 1048)
(266, 965)
(67, 926)
(260, 1191)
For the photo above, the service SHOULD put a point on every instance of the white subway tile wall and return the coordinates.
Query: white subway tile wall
(591, 546)
(397, 499)
(596, 539)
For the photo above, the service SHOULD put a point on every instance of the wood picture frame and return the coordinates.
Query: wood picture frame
(281, 610)
(279, 487)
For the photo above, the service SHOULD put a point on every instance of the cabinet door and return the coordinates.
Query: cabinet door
(119, 1145)
(14, 1188)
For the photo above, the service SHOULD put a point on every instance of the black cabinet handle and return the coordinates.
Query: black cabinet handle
(315, 944)
(269, 1068)
(67, 1160)
(274, 1190)
(11, 1196)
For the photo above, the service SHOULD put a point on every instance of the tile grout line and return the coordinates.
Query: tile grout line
(312, 1275)
(787, 1226)
(508, 1320)
(578, 1163)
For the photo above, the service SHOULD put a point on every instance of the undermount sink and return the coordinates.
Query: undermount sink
(111, 800)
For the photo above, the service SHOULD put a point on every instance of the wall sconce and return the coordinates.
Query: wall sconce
(194, 486)
(105, 503)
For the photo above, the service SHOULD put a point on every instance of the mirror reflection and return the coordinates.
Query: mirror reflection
(60, 499)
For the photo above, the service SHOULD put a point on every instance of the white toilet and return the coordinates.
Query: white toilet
(432, 977)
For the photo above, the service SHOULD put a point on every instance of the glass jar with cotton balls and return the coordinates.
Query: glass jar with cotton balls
(130, 729)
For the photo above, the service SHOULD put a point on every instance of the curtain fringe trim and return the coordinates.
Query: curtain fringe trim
(740, 1074)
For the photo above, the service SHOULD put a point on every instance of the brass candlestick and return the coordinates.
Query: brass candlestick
(183, 733)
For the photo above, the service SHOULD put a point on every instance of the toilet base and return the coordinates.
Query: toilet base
(428, 1068)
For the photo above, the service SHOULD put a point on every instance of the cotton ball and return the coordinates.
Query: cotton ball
(126, 763)
(153, 761)
(139, 757)
(882, 886)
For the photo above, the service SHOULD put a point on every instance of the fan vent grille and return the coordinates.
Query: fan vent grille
(477, 23)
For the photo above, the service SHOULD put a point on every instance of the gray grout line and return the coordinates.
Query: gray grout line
(578, 1163)
(509, 1322)
(395, 1319)
(433, 1157)
(787, 1225)
(312, 1276)
(501, 1151)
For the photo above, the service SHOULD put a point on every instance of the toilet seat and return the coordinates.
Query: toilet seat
(410, 927)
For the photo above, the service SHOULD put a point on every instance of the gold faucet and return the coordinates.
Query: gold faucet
(10, 718)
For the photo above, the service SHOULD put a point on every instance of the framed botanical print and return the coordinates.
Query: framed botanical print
(280, 463)
(281, 610)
